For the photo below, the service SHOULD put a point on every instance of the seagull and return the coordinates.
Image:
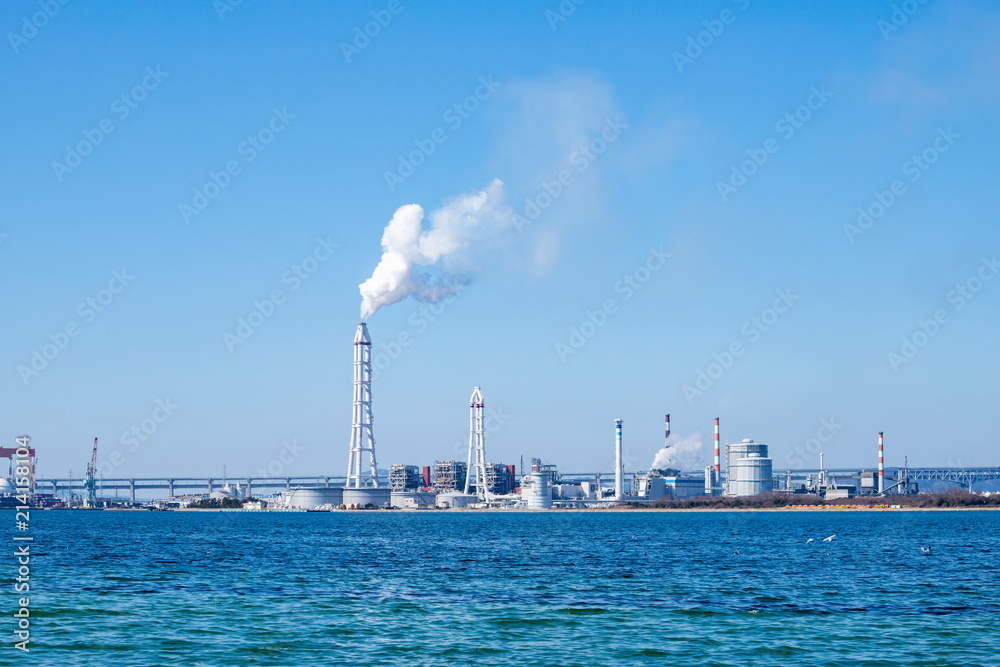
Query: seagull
(926, 550)
(736, 553)
(829, 539)
(809, 540)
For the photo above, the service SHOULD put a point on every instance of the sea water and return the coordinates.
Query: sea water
(510, 588)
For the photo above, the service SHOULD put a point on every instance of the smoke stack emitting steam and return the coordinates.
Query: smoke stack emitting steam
(449, 245)
(683, 453)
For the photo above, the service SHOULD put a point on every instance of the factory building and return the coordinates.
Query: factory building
(655, 485)
(404, 477)
(501, 479)
(413, 500)
(650, 486)
(449, 476)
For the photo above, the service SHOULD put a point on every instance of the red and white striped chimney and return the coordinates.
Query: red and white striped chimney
(718, 458)
(881, 465)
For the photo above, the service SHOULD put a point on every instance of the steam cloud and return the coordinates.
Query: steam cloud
(453, 246)
(682, 454)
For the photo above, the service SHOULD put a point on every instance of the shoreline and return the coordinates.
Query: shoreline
(619, 510)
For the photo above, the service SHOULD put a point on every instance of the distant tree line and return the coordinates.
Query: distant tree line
(951, 498)
(219, 503)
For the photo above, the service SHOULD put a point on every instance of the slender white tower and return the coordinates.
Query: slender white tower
(881, 465)
(362, 438)
(476, 466)
(619, 470)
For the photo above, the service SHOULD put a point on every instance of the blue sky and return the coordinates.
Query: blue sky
(186, 90)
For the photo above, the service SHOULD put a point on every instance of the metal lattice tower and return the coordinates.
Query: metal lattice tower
(362, 438)
(477, 447)
(90, 484)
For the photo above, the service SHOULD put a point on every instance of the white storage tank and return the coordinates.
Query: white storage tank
(750, 475)
(536, 490)
(308, 497)
(362, 498)
(742, 449)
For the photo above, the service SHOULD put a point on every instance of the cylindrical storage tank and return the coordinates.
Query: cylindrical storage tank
(536, 491)
(308, 497)
(362, 498)
(738, 450)
(750, 476)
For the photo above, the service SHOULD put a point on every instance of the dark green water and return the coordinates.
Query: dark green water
(610, 588)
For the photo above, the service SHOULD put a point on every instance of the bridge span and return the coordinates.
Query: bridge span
(174, 486)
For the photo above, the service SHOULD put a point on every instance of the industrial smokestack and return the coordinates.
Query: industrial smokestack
(619, 471)
(881, 465)
(666, 435)
(718, 457)
(362, 438)
(476, 467)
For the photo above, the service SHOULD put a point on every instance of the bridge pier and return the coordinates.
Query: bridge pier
(210, 489)
(131, 490)
(249, 488)
(170, 488)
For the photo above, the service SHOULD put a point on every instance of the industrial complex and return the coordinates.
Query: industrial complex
(476, 482)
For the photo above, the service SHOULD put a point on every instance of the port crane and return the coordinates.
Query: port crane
(90, 484)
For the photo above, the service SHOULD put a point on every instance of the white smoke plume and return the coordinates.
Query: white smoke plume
(453, 247)
(682, 454)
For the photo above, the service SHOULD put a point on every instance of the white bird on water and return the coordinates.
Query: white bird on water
(926, 550)
(809, 540)
(829, 539)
